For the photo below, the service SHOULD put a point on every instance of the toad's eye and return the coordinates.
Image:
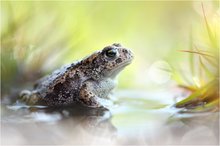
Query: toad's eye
(111, 53)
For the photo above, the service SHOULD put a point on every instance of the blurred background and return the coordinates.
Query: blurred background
(175, 43)
(38, 37)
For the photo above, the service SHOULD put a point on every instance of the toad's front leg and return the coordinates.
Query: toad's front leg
(87, 97)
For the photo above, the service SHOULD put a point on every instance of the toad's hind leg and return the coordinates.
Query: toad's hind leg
(29, 97)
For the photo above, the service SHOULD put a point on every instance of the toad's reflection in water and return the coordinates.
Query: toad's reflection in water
(58, 125)
(73, 110)
(90, 119)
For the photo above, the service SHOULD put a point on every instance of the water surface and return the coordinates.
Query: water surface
(137, 117)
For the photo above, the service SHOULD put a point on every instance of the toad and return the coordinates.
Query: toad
(86, 81)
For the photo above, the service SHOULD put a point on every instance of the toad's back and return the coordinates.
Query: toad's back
(61, 86)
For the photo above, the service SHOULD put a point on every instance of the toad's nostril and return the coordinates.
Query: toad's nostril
(125, 51)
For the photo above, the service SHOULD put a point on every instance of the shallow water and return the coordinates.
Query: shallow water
(137, 117)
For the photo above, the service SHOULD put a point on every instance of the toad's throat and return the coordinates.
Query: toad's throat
(114, 72)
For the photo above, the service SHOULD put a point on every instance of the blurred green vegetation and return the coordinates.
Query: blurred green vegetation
(204, 67)
(37, 37)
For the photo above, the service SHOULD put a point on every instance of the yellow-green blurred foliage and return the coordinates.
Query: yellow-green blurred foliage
(203, 78)
(37, 37)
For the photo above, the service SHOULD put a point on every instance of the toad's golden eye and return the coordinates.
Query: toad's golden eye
(111, 53)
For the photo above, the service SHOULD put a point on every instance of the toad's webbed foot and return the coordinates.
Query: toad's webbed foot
(29, 97)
